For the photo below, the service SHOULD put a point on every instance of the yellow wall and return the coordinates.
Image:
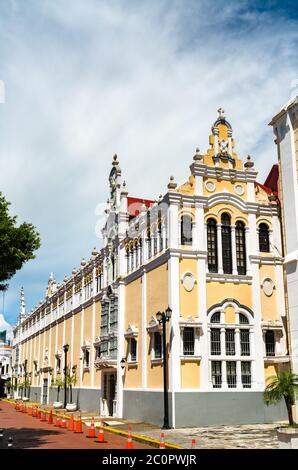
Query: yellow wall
(157, 299)
(190, 374)
(268, 304)
(230, 316)
(217, 292)
(97, 373)
(133, 316)
(157, 290)
(224, 185)
(188, 300)
(86, 382)
(270, 370)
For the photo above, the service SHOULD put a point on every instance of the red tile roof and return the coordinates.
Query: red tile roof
(134, 205)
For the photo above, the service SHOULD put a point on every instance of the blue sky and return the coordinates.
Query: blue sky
(143, 79)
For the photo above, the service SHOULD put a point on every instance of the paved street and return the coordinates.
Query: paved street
(31, 433)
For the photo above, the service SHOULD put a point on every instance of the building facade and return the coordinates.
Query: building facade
(209, 249)
(285, 126)
(5, 365)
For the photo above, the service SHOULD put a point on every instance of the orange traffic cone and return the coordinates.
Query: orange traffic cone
(71, 424)
(91, 433)
(43, 416)
(129, 444)
(101, 437)
(162, 441)
(17, 406)
(38, 413)
(50, 420)
(25, 408)
(78, 428)
(57, 422)
(29, 410)
(193, 443)
(63, 422)
(21, 408)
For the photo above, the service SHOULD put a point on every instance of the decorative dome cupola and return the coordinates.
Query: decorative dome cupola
(222, 142)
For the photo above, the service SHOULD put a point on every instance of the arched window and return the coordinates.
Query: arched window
(227, 347)
(212, 245)
(243, 320)
(264, 238)
(186, 230)
(240, 248)
(215, 318)
(226, 243)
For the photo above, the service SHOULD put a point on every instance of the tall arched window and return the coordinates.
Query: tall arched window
(230, 351)
(264, 238)
(186, 230)
(212, 245)
(240, 248)
(226, 243)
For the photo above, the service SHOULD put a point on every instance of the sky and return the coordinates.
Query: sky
(83, 80)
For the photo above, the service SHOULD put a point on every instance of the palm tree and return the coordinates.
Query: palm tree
(71, 381)
(284, 385)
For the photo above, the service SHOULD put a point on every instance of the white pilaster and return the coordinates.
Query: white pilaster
(202, 313)
(174, 330)
(120, 347)
(144, 330)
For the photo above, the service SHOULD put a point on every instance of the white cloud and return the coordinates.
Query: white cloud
(85, 80)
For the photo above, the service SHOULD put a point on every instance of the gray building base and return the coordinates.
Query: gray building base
(87, 399)
(203, 408)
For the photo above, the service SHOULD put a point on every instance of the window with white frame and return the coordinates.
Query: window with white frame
(188, 341)
(86, 358)
(58, 364)
(97, 352)
(270, 343)
(231, 344)
(132, 356)
(157, 345)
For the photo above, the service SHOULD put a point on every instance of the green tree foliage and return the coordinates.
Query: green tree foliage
(283, 386)
(17, 243)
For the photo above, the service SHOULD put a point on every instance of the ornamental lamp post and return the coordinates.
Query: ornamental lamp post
(65, 349)
(163, 318)
(25, 375)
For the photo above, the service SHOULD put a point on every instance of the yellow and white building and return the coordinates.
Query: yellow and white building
(211, 250)
(285, 127)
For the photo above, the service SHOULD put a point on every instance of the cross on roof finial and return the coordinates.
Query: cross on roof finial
(221, 112)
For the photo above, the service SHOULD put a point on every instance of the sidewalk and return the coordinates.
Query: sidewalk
(31, 433)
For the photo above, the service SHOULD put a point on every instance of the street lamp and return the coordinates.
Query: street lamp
(163, 318)
(65, 349)
(25, 385)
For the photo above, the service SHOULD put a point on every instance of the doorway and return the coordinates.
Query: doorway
(45, 392)
(109, 392)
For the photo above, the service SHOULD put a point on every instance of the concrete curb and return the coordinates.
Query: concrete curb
(136, 437)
